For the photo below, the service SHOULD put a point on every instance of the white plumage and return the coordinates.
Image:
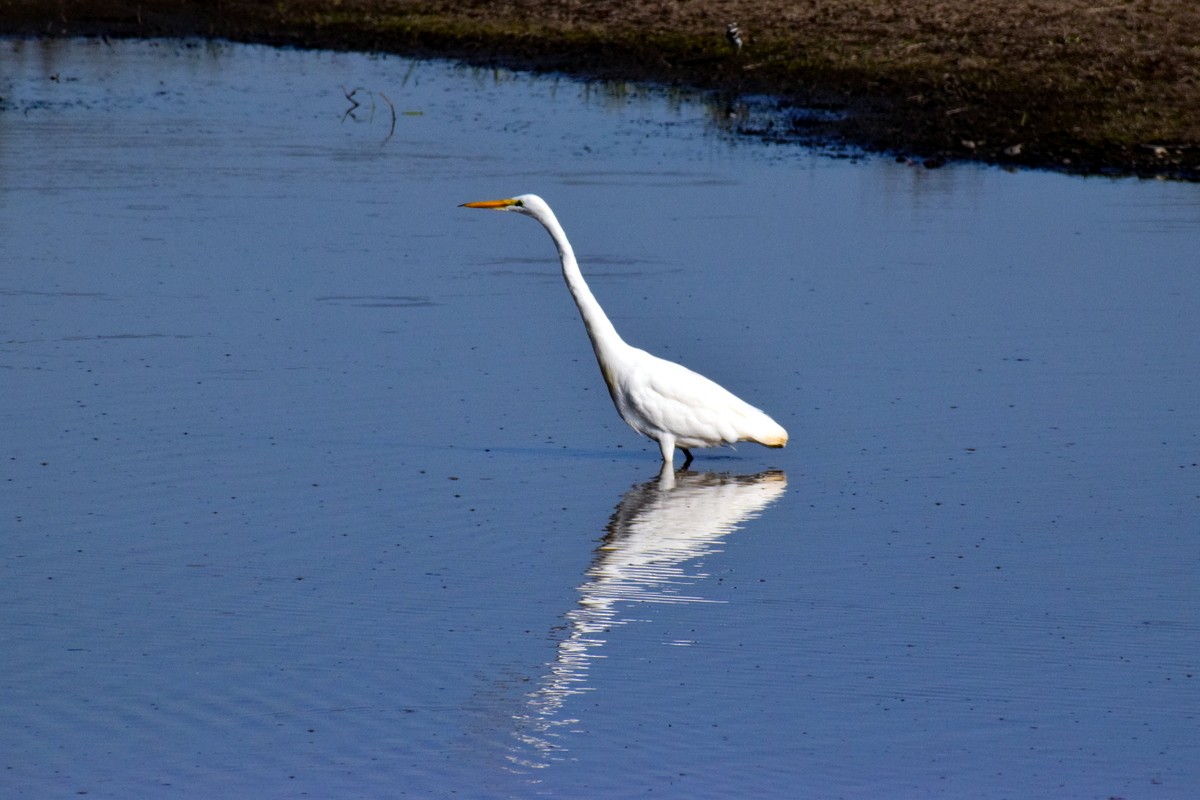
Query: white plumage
(660, 399)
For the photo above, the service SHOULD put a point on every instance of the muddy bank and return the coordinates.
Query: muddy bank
(1089, 87)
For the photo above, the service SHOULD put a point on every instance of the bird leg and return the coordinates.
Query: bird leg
(687, 457)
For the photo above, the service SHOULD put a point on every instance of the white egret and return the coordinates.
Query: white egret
(659, 399)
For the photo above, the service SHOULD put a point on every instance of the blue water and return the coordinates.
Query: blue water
(310, 485)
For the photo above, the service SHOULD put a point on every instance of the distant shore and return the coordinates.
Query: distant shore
(1077, 86)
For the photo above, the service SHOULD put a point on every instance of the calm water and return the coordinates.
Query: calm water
(311, 487)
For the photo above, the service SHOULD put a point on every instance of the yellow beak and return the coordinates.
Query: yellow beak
(491, 204)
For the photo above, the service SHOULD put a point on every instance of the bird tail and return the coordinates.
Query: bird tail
(769, 434)
(775, 441)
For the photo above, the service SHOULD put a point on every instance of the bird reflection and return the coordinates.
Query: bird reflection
(659, 528)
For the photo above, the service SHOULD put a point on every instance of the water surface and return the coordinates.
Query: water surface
(311, 486)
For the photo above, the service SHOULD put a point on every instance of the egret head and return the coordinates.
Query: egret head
(528, 204)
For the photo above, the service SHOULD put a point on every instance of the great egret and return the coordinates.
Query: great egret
(659, 399)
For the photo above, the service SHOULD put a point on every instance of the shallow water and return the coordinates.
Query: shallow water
(311, 487)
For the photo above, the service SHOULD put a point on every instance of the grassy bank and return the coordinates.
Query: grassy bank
(1092, 87)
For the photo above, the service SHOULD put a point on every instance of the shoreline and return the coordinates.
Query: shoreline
(1063, 85)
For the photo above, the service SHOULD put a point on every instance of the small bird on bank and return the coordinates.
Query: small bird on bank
(659, 399)
(733, 35)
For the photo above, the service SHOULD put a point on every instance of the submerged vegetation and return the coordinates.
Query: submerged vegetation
(1106, 86)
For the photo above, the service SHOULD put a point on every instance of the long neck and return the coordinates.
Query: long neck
(599, 328)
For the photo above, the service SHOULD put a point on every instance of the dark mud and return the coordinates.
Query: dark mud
(1070, 85)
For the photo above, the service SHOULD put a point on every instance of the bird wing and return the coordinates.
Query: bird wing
(669, 397)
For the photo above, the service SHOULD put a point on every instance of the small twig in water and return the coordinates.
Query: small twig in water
(393, 108)
(353, 103)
